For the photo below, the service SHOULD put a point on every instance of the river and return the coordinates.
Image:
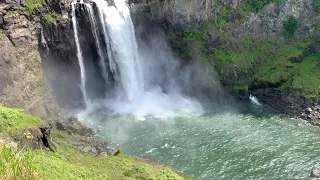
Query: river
(240, 141)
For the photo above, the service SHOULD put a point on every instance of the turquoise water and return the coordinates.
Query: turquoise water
(242, 141)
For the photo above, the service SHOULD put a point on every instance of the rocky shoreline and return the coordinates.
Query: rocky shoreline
(312, 115)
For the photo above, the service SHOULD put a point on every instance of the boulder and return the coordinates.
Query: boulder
(315, 174)
(20, 37)
(75, 127)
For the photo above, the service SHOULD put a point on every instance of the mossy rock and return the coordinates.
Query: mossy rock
(14, 121)
(281, 73)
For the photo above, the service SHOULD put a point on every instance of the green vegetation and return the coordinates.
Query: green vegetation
(240, 89)
(238, 62)
(305, 77)
(31, 7)
(52, 17)
(34, 5)
(302, 77)
(290, 27)
(194, 39)
(68, 162)
(317, 5)
(13, 167)
(259, 62)
(256, 5)
(13, 121)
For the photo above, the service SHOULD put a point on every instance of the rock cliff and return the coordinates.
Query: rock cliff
(22, 81)
(257, 47)
(266, 48)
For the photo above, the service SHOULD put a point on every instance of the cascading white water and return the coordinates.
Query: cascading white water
(142, 86)
(254, 100)
(94, 28)
(102, 7)
(79, 53)
(123, 43)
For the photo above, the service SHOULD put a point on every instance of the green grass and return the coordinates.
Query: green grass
(236, 64)
(15, 165)
(279, 68)
(115, 167)
(305, 77)
(13, 121)
(68, 162)
(301, 77)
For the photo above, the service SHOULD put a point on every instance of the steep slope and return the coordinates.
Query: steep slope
(30, 150)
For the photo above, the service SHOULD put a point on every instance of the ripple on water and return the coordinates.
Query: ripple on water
(230, 144)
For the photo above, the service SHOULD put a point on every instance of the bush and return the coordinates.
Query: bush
(317, 5)
(52, 17)
(257, 5)
(290, 27)
(34, 5)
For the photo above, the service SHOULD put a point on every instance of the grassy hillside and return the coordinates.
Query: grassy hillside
(68, 162)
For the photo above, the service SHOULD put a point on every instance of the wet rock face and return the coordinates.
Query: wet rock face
(179, 12)
(87, 141)
(282, 101)
(6, 78)
(269, 22)
(36, 138)
(312, 115)
(315, 174)
(21, 83)
(74, 127)
(60, 6)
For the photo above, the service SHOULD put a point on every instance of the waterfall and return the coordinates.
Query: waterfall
(102, 7)
(95, 31)
(79, 54)
(123, 43)
(145, 76)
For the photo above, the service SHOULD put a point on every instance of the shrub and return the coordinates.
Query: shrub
(52, 17)
(257, 5)
(317, 5)
(290, 27)
(34, 5)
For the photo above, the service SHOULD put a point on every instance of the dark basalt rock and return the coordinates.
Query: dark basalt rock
(315, 174)
(74, 127)
(312, 115)
(36, 138)
(1, 21)
(87, 141)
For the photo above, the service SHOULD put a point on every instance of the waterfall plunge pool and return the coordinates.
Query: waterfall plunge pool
(240, 141)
